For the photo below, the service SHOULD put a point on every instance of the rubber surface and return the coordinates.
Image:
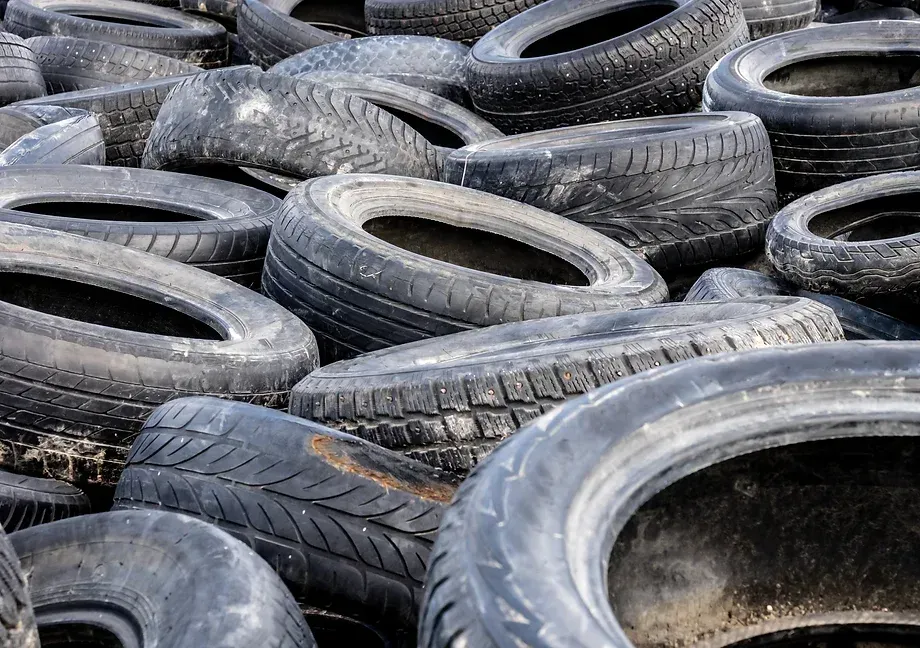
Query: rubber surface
(465, 21)
(20, 76)
(76, 140)
(271, 36)
(17, 621)
(768, 17)
(28, 501)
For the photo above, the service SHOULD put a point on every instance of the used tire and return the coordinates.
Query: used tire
(775, 16)
(450, 401)
(347, 525)
(28, 501)
(556, 64)
(679, 190)
(15, 123)
(158, 29)
(300, 128)
(453, 259)
(880, 13)
(837, 101)
(157, 580)
(432, 64)
(77, 140)
(97, 335)
(20, 76)
(271, 36)
(17, 621)
(218, 8)
(465, 21)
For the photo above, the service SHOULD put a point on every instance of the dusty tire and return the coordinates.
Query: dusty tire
(465, 21)
(880, 13)
(776, 16)
(20, 76)
(14, 124)
(271, 36)
(462, 260)
(449, 402)
(77, 140)
(17, 621)
(156, 579)
(347, 525)
(28, 501)
(97, 335)
(553, 65)
(679, 190)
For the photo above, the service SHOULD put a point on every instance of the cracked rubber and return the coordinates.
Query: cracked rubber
(271, 36)
(768, 17)
(17, 620)
(156, 580)
(28, 501)
(450, 401)
(347, 525)
(463, 20)
(76, 140)
(679, 190)
(20, 76)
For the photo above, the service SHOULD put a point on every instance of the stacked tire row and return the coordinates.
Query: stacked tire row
(424, 323)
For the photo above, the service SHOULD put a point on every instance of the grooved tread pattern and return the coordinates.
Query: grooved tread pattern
(28, 501)
(21, 77)
(765, 18)
(271, 36)
(77, 140)
(457, 20)
(17, 621)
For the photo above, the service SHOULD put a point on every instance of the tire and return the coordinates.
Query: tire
(520, 81)
(858, 322)
(217, 226)
(239, 55)
(776, 16)
(219, 8)
(347, 525)
(29, 501)
(69, 64)
(680, 191)
(432, 64)
(880, 13)
(465, 21)
(620, 448)
(15, 123)
(359, 292)
(163, 31)
(17, 621)
(270, 36)
(77, 140)
(157, 579)
(449, 402)
(20, 76)
(78, 381)
(299, 128)
(820, 141)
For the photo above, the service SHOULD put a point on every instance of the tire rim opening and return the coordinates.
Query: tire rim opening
(599, 29)
(117, 20)
(102, 306)
(344, 18)
(332, 630)
(435, 133)
(870, 220)
(846, 76)
(79, 636)
(108, 212)
(475, 249)
(794, 538)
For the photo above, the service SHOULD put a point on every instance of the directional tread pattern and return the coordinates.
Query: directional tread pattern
(457, 20)
(28, 501)
(17, 621)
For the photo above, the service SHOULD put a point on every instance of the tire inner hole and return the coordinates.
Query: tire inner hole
(434, 133)
(846, 76)
(76, 635)
(331, 631)
(118, 20)
(754, 549)
(597, 30)
(343, 18)
(475, 249)
(106, 212)
(870, 220)
(94, 305)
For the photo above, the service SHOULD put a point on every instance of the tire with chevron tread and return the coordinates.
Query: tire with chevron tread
(464, 20)
(28, 501)
(679, 190)
(76, 140)
(20, 75)
(347, 524)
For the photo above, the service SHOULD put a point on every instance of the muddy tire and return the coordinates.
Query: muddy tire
(28, 501)
(20, 75)
(157, 578)
(465, 21)
(449, 402)
(347, 525)
(271, 36)
(77, 140)
(17, 621)
(462, 260)
(776, 16)
(97, 335)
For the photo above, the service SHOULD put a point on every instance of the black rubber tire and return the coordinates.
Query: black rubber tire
(160, 30)
(157, 579)
(17, 621)
(218, 8)
(69, 64)
(29, 501)
(655, 68)
(271, 36)
(679, 190)
(239, 55)
(74, 393)
(465, 21)
(449, 402)
(432, 64)
(244, 117)
(77, 140)
(820, 141)
(20, 76)
(15, 123)
(768, 17)
(360, 293)
(880, 13)
(858, 322)
(218, 226)
(347, 524)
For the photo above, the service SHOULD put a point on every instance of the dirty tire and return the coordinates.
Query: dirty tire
(17, 621)
(157, 578)
(77, 387)
(879, 13)
(239, 55)
(521, 82)
(28, 501)
(279, 123)
(69, 64)
(359, 293)
(164, 31)
(15, 123)
(776, 16)
(819, 141)
(218, 8)
(450, 401)
(432, 64)
(347, 525)
(77, 140)
(271, 36)
(678, 190)
(20, 76)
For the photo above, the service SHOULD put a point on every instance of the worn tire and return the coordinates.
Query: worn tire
(679, 190)
(20, 75)
(360, 293)
(15, 123)
(776, 16)
(164, 31)
(657, 67)
(157, 579)
(450, 401)
(271, 36)
(77, 140)
(465, 21)
(28, 501)
(880, 13)
(76, 386)
(17, 620)
(218, 8)
(347, 524)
